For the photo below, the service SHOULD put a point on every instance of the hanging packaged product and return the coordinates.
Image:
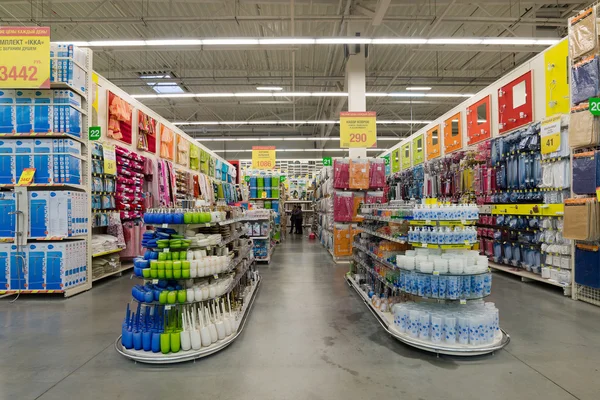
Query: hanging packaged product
(359, 174)
(583, 38)
(583, 127)
(342, 244)
(585, 81)
(377, 173)
(341, 174)
(358, 198)
(343, 206)
(586, 172)
(582, 219)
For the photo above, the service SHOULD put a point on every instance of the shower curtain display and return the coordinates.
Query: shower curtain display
(183, 152)
(146, 133)
(167, 143)
(120, 114)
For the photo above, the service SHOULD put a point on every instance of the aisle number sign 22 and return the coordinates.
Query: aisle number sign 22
(263, 157)
(24, 57)
(358, 129)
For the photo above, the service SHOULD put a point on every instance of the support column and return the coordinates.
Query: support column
(356, 80)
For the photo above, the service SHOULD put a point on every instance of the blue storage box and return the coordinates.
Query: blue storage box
(587, 266)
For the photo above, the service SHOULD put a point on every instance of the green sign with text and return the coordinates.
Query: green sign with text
(594, 103)
(94, 133)
(327, 161)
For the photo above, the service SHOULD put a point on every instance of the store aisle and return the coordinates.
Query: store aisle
(308, 337)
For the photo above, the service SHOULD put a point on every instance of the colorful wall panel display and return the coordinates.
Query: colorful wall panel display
(405, 156)
(204, 156)
(395, 161)
(418, 150)
(556, 60)
(183, 151)
(147, 133)
(434, 143)
(167, 143)
(453, 133)
(479, 122)
(195, 157)
(515, 103)
(120, 114)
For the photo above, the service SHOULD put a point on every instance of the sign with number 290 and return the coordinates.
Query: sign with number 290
(358, 129)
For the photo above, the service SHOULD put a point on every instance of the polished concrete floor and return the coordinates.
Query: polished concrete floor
(308, 337)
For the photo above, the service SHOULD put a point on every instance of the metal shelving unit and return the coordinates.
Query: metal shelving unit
(21, 235)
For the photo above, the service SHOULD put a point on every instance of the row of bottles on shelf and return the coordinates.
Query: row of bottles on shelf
(442, 235)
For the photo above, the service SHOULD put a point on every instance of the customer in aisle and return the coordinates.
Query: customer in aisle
(293, 218)
(299, 220)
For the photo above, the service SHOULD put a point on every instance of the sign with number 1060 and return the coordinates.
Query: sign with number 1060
(358, 129)
(24, 57)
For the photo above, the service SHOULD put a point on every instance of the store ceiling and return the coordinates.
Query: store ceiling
(304, 68)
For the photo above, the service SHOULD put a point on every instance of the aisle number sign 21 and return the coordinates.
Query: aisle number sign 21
(24, 57)
(263, 157)
(358, 129)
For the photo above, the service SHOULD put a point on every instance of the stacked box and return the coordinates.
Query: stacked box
(57, 213)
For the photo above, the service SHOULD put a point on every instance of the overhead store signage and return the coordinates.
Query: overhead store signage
(418, 153)
(327, 161)
(263, 157)
(550, 134)
(405, 156)
(386, 160)
(24, 57)
(358, 129)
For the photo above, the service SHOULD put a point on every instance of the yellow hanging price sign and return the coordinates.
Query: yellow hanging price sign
(358, 129)
(26, 177)
(550, 134)
(263, 157)
(110, 159)
(24, 57)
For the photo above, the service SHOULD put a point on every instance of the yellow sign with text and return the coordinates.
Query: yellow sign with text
(263, 157)
(358, 129)
(24, 57)
(110, 159)
(550, 134)
(26, 177)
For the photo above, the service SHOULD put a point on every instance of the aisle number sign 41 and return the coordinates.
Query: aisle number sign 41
(263, 157)
(358, 129)
(24, 57)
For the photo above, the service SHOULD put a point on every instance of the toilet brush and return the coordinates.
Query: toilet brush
(211, 327)
(186, 341)
(204, 331)
(226, 320)
(146, 332)
(218, 323)
(165, 336)
(232, 318)
(195, 333)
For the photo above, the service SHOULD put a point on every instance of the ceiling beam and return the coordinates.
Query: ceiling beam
(380, 10)
(149, 20)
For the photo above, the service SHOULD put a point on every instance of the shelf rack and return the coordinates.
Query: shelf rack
(527, 276)
(386, 320)
(191, 355)
(21, 236)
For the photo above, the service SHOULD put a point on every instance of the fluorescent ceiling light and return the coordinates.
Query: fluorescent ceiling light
(116, 43)
(454, 41)
(277, 41)
(298, 94)
(292, 122)
(309, 41)
(398, 41)
(343, 40)
(293, 150)
(162, 87)
(272, 88)
(229, 42)
(174, 42)
(418, 88)
(287, 139)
